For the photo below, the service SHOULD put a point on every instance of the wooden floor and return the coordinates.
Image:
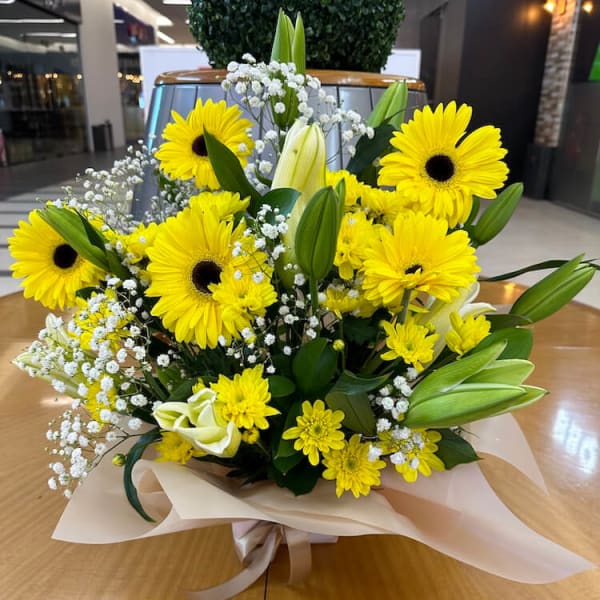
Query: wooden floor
(563, 430)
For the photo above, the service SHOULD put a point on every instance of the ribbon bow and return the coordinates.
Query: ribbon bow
(256, 543)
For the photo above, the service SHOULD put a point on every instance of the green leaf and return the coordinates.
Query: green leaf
(301, 479)
(280, 386)
(349, 383)
(360, 331)
(464, 403)
(519, 342)
(134, 454)
(547, 264)
(282, 198)
(358, 414)
(454, 450)
(69, 225)
(155, 386)
(314, 366)
(497, 214)
(513, 371)
(284, 464)
(506, 321)
(229, 171)
(182, 392)
(367, 150)
(285, 448)
(451, 375)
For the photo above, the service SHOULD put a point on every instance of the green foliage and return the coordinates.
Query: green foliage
(340, 34)
(454, 450)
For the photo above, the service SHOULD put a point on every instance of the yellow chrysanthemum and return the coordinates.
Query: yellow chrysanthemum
(342, 300)
(244, 399)
(223, 204)
(139, 240)
(98, 400)
(432, 168)
(418, 254)
(383, 206)
(173, 448)
(466, 333)
(354, 188)
(317, 430)
(414, 453)
(188, 259)
(353, 238)
(410, 342)
(352, 469)
(184, 155)
(242, 299)
(52, 270)
(94, 313)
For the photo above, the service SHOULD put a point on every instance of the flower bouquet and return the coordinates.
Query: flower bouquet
(284, 347)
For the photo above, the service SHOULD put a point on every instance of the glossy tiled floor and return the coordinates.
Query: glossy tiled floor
(539, 230)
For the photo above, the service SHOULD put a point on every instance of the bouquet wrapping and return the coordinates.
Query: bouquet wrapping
(293, 350)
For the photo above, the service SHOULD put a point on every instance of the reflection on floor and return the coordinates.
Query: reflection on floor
(539, 230)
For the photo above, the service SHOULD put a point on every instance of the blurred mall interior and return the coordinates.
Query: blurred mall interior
(73, 91)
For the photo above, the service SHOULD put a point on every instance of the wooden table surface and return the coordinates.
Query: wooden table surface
(563, 431)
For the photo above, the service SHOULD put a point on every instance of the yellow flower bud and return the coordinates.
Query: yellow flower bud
(119, 460)
(339, 345)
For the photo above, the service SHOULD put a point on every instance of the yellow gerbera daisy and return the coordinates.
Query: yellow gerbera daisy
(184, 154)
(410, 342)
(317, 430)
(441, 174)
(418, 254)
(51, 268)
(352, 469)
(244, 399)
(189, 255)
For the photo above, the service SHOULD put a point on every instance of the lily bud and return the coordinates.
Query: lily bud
(390, 108)
(317, 232)
(498, 214)
(553, 291)
(301, 166)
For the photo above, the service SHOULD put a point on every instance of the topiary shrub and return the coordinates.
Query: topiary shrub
(355, 35)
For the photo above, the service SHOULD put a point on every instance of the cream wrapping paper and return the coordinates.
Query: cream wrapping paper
(455, 512)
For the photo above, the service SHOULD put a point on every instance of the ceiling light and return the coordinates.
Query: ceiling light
(164, 37)
(162, 21)
(549, 6)
(587, 6)
(179, 2)
(7, 1)
(49, 34)
(31, 20)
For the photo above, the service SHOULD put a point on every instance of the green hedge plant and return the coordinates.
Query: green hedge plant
(355, 35)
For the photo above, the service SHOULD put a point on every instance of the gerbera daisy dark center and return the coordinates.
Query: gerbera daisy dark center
(64, 256)
(199, 146)
(413, 269)
(206, 272)
(440, 167)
